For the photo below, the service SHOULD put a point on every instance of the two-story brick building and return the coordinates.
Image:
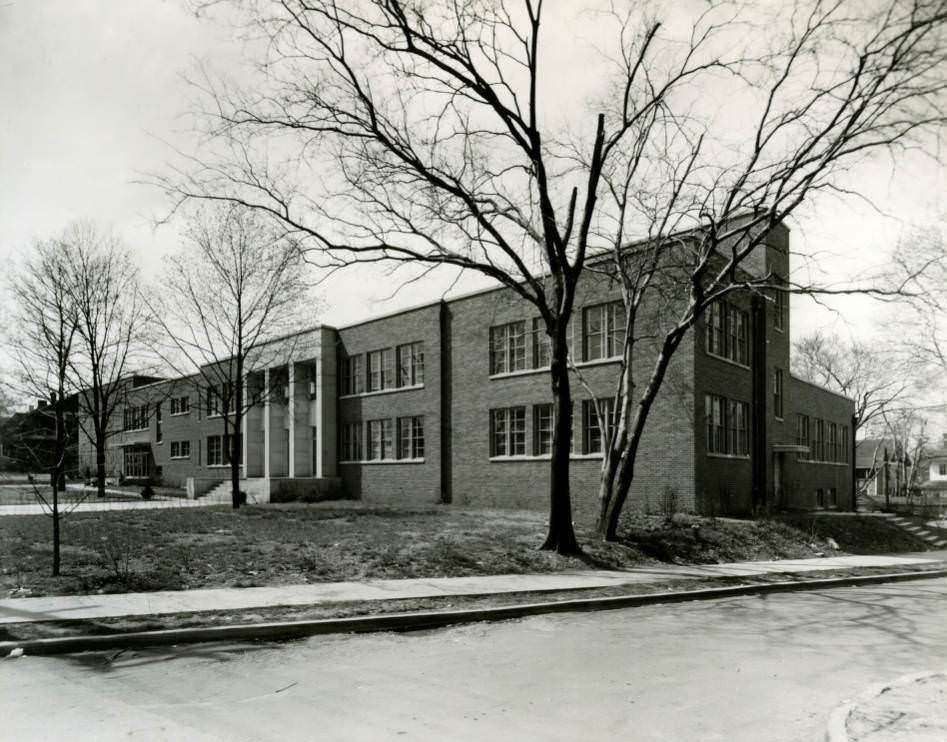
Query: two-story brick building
(450, 402)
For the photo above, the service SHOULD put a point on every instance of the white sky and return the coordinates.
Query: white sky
(92, 94)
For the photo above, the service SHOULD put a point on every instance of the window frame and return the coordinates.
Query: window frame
(508, 432)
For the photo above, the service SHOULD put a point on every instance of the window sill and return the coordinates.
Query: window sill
(545, 369)
(823, 463)
(732, 456)
(392, 390)
(727, 360)
(179, 414)
(179, 458)
(545, 457)
(382, 461)
(220, 466)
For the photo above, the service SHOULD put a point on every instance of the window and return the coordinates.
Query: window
(778, 393)
(542, 345)
(727, 426)
(593, 441)
(137, 463)
(215, 450)
(180, 405)
(180, 449)
(728, 332)
(508, 432)
(508, 348)
(380, 440)
(820, 498)
(352, 442)
(543, 418)
(603, 331)
(844, 444)
(411, 437)
(832, 497)
(381, 370)
(159, 436)
(942, 470)
(779, 310)
(818, 441)
(217, 396)
(353, 377)
(802, 433)
(136, 418)
(411, 364)
(833, 452)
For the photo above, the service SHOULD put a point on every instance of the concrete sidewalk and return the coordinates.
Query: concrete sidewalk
(22, 610)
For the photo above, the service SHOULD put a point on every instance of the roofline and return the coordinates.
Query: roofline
(821, 388)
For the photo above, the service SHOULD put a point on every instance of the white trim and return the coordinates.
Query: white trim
(390, 390)
(545, 457)
(181, 414)
(383, 461)
(599, 361)
(179, 458)
(735, 456)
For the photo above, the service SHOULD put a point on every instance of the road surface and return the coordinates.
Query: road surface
(757, 668)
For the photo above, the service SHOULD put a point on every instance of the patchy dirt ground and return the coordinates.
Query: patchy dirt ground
(124, 551)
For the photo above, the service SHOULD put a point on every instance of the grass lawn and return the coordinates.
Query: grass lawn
(171, 549)
(25, 494)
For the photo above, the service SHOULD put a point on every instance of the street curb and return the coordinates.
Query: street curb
(283, 630)
(837, 730)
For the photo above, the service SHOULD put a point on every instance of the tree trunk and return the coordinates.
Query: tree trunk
(57, 476)
(100, 464)
(235, 439)
(561, 535)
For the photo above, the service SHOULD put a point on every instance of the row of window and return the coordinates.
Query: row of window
(387, 368)
(826, 441)
(508, 429)
(135, 418)
(382, 445)
(517, 346)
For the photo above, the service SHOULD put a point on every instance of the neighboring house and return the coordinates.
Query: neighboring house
(449, 402)
(878, 465)
(28, 439)
(933, 465)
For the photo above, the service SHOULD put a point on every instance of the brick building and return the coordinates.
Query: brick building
(449, 402)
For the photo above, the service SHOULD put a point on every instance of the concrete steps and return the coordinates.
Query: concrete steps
(258, 491)
(933, 539)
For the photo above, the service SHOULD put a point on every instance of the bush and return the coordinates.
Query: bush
(147, 492)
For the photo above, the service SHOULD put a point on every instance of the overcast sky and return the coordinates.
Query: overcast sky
(91, 95)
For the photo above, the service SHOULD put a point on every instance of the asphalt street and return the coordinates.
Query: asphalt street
(754, 668)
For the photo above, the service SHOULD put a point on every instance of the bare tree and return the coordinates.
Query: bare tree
(873, 376)
(425, 126)
(42, 336)
(111, 332)
(237, 283)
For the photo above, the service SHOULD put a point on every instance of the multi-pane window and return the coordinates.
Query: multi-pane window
(136, 418)
(942, 470)
(180, 449)
(728, 332)
(833, 497)
(216, 398)
(159, 434)
(411, 437)
(844, 444)
(603, 333)
(820, 498)
(778, 393)
(180, 405)
(779, 310)
(411, 364)
(727, 425)
(818, 441)
(542, 344)
(593, 440)
(508, 348)
(352, 441)
(353, 375)
(215, 450)
(137, 463)
(381, 369)
(508, 432)
(833, 447)
(380, 444)
(802, 432)
(543, 419)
